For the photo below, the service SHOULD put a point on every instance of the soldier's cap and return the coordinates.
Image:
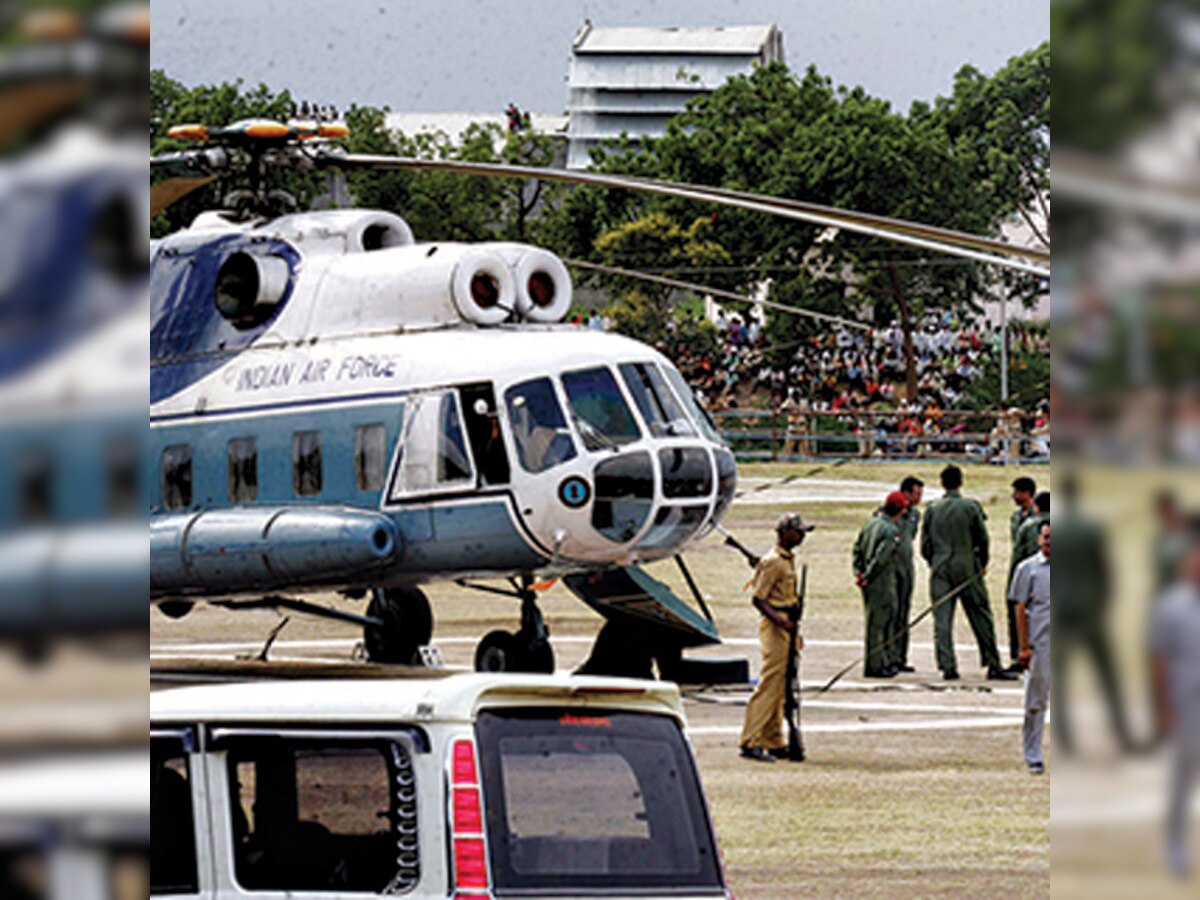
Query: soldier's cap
(793, 520)
(896, 500)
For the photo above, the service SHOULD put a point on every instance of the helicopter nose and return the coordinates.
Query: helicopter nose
(627, 500)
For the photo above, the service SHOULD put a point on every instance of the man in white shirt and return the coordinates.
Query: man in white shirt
(1030, 592)
(1175, 650)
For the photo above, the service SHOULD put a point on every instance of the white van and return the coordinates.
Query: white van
(469, 786)
(74, 826)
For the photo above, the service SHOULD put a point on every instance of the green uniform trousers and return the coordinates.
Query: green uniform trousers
(974, 600)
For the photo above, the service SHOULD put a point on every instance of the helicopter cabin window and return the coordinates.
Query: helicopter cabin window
(122, 476)
(35, 485)
(539, 428)
(370, 457)
(242, 455)
(177, 476)
(306, 463)
(658, 406)
(601, 414)
(434, 454)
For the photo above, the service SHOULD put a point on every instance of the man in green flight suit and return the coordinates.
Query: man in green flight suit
(913, 488)
(876, 555)
(1024, 489)
(954, 541)
(1026, 543)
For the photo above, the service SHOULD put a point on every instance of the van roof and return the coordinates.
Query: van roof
(76, 785)
(456, 698)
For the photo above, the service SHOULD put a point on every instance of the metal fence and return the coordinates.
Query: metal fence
(969, 436)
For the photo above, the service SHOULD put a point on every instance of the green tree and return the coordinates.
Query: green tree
(449, 206)
(641, 309)
(773, 132)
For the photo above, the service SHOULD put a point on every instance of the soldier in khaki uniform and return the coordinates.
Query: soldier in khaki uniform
(954, 541)
(774, 596)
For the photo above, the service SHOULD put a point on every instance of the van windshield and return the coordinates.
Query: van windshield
(593, 800)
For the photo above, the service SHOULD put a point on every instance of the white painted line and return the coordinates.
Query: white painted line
(840, 727)
(886, 687)
(881, 707)
(326, 644)
(565, 639)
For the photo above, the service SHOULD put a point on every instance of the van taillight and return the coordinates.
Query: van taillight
(468, 817)
(470, 864)
(464, 770)
(466, 823)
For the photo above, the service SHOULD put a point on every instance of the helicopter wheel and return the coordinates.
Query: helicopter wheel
(538, 657)
(497, 652)
(503, 651)
(408, 624)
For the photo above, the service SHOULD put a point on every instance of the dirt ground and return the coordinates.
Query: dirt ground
(912, 787)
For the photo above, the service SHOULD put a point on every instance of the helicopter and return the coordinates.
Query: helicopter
(337, 406)
(73, 315)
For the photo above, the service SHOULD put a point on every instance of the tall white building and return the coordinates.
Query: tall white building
(633, 80)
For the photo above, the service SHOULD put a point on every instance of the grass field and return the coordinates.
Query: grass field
(911, 789)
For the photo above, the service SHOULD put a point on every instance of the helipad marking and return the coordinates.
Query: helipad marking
(885, 707)
(566, 639)
(842, 727)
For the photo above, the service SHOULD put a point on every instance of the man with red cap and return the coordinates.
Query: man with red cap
(876, 562)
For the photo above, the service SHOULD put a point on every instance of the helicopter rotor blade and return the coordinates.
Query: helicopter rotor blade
(164, 193)
(26, 107)
(952, 243)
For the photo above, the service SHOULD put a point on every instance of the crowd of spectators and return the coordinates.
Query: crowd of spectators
(314, 112)
(852, 381)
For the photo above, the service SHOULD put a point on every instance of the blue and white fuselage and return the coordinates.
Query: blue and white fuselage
(337, 406)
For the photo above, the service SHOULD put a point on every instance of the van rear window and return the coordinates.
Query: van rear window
(593, 800)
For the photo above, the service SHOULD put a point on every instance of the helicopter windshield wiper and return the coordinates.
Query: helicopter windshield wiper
(593, 435)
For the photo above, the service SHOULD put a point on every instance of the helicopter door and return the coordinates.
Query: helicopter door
(551, 479)
(483, 432)
(433, 455)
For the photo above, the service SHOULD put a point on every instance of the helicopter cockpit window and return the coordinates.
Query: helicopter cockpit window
(601, 414)
(658, 406)
(538, 425)
(689, 400)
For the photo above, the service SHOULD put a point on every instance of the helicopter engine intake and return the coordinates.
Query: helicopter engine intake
(483, 288)
(542, 282)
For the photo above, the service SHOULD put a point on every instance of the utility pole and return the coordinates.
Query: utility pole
(1004, 349)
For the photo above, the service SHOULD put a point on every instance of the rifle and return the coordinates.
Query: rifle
(791, 700)
(730, 541)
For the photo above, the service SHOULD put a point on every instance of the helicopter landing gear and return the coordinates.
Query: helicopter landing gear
(630, 649)
(527, 650)
(407, 625)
